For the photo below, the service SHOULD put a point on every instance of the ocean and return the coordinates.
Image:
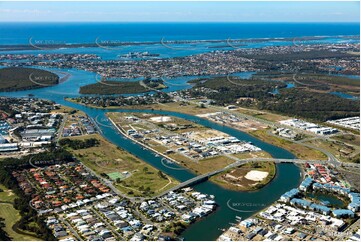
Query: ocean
(288, 176)
(19, 33)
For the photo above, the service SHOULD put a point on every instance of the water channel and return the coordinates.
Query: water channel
(231, 203)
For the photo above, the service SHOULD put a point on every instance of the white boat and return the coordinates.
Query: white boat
(239, 219)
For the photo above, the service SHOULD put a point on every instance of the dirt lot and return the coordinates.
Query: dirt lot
(235, 179)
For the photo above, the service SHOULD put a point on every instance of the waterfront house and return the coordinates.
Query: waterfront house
(320, 208)
(289, 195)
(343, 213)
(247, 223)
(354, 206)
(306, 184)
(300, 202)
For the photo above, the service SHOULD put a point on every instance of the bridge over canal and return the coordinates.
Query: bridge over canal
(204, 177)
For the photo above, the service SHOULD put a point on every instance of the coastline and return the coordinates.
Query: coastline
(82, 54)
(30, 46)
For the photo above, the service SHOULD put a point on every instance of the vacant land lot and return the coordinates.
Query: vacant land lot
(340, 150)
(298, 150)
(240, 179)
(181, 107)
(262, 114)
(219, 162)
(108, 158)
(208, 165)
(351, 139)
(246, 155)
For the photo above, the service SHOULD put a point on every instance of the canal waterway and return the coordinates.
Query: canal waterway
(231, 203)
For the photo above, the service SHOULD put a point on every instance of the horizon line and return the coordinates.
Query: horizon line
(187, 22)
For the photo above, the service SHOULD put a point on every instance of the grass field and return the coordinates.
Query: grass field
(108, 158)
(262, 114)
(184, 108)
(7, 195)
(115, 175)
(351, 139)
(209, 164)
(298, 150)
(218, 162)
(11, 215)
(259, 154)
(339, 149)
(174, 106)
(62, 109)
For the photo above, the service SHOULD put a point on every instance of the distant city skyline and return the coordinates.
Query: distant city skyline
(180, 11)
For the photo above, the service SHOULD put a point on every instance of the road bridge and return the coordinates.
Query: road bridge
(204, 177)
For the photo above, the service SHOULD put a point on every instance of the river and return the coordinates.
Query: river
(231, 203)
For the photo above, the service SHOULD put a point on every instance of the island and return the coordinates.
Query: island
(20, 78)
(108, 87)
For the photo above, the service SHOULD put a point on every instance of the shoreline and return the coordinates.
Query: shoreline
(30, 46)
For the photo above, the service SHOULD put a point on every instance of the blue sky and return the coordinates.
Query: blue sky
(179, 11)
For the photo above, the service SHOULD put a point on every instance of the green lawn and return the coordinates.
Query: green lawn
(11, 215)
(115, 175)
(6, 195)
(109, 159)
